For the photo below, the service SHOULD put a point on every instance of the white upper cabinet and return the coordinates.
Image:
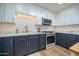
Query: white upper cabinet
(67, 16)
(22, 8)
(26, 8)
(35, 10)
(51, 16)
(60, 19)
(75, 14)
(39, 15)
(40, 12)
(9, 12)
(63, 17)
(1, 12)
(32, 9)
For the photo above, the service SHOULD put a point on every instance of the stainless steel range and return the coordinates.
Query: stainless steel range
(50, 39)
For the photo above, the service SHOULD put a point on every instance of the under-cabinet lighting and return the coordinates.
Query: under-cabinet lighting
(59, 3)
(26, 16)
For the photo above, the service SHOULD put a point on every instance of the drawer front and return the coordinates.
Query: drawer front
(8, 46)
(21, 38)
(41, 35)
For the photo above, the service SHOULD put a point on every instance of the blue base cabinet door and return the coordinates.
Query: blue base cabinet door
(21, 46)
(77, 38)
(60, 39)
(33, 43)
(71, 40)
(42, 41)
(7, 44)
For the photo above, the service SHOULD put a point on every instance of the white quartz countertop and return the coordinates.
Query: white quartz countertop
(19, 34)
(74, 33)
(30, 33)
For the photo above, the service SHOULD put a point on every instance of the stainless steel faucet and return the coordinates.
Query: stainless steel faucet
(17, 31)
(26, 29)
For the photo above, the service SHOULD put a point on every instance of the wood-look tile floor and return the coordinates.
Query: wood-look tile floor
(55, 51)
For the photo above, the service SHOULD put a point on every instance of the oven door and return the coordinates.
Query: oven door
(50, 39)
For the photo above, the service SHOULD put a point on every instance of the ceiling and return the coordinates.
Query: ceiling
(55, 6)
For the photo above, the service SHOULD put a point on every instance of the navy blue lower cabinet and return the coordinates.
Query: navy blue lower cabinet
(20, 45)
(66, 40)
(71, 40)
(77, 38)
(1, 47)
(42, 41)
(7, 44)
(25, 45)
(33, 43)
(60, 39)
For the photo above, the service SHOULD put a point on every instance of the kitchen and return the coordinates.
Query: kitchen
(28, 29)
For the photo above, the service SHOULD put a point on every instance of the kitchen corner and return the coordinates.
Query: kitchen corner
(29, 29)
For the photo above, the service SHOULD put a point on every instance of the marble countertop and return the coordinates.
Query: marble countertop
(19, 34)
(30, 33)
(74, 33)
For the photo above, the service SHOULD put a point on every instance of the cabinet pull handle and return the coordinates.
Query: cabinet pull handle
(11, 41)
(26, 44)
(29, 43)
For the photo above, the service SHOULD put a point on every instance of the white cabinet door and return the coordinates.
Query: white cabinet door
(67, 16)
(52, 18)
(59, 19)
(75, 14)
(10, 12)
(39, 16)
(40, 13)
(50, 15)
(21, 8)
(32, 9)
(1, 12)
(25, 8)
(63, 17)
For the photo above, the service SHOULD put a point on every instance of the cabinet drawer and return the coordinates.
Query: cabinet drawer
(21, 38)
(71, 38)
(71, 35)
(41, 35)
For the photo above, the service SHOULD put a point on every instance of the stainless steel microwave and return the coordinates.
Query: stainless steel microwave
(46, 21)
